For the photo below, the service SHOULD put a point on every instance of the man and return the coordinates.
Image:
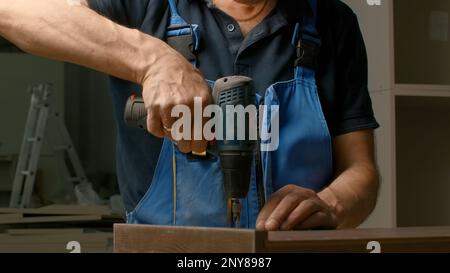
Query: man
(322, 176)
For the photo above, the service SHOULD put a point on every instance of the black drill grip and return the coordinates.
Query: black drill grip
(135, 113)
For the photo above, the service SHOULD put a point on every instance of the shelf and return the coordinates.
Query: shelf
(422, 48)
(422, 90)
(423, 161)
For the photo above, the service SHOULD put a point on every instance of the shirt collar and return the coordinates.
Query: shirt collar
(292, 10)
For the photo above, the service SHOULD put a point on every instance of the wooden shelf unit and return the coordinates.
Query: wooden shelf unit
(409, 82)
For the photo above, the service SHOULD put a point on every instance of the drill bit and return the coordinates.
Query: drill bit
(236, 212)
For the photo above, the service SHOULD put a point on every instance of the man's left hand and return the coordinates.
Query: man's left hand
(296, 208)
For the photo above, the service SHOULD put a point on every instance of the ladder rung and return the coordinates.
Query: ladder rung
(34, 139)
(27, 173)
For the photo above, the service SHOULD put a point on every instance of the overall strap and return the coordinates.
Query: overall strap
(307, 41)
(182, 36)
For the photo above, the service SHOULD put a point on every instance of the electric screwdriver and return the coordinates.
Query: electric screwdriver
(236, 153)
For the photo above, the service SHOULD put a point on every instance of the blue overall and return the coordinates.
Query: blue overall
(190, 192)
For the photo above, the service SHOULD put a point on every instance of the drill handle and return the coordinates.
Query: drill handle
(224, 93)
(135, 114)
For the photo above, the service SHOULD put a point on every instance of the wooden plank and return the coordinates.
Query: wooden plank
(58, 238)
(76, 210)
(11, 217)
(53, 249)
(146, 238)
(90, 242)
(141, 238)
(432, 239)
(43, 231)
(61, 210)
(52, 219)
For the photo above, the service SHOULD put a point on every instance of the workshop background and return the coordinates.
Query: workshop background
(409, 80)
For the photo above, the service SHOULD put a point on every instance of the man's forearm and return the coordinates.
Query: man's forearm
(74, 33)
(353, 194)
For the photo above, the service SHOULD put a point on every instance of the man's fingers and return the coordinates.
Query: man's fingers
(281, 212)
(154, 125)
(267, 210)
(302, 212)
(168, 122)
(184, 146)
(199, 146)
(319, 220)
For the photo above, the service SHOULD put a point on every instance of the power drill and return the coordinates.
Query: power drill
(236, 156)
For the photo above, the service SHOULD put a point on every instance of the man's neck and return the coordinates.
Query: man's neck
(248, 13)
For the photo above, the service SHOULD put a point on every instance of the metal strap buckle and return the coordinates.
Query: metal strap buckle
(183, 43)
(308, 54)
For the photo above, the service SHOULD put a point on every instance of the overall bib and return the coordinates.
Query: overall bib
(190, 192)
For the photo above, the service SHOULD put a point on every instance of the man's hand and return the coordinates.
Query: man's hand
(345, 203)
(295, 208)
(171, 81)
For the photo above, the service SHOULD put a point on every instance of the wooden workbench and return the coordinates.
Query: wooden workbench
(145, 238)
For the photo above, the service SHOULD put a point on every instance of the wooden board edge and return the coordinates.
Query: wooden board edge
(147, 238)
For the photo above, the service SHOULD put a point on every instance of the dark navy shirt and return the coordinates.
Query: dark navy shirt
(266, 55)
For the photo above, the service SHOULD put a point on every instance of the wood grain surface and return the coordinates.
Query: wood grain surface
(145, 238)
(399, 240)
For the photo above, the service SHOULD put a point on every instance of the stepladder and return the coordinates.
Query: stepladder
(44, 125)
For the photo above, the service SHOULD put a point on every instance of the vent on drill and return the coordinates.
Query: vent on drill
(232, 96)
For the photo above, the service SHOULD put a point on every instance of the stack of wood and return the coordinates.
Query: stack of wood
(53, 228)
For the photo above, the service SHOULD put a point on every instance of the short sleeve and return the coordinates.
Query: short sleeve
(352, 110)
(124, 12)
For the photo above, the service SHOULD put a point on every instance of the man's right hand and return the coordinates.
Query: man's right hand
(171, 80)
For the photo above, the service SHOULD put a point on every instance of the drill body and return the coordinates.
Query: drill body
(236, 153)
